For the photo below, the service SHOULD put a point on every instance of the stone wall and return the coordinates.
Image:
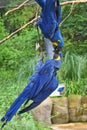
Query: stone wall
(62, 110)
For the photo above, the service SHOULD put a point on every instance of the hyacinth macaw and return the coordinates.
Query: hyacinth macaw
(42, 83)
(49, 21)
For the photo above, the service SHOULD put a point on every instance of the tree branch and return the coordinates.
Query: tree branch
(24, 26)
(71, 10)
(17, 8)
(75, 2)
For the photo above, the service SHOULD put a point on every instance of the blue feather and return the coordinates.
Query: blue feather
(60, 89)
(49, 20)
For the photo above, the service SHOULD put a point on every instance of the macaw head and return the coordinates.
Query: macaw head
(57, 39)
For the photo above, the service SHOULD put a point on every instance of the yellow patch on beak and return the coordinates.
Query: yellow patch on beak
(58, 58)
(56, 43)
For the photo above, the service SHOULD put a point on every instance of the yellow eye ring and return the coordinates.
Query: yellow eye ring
(58, 41)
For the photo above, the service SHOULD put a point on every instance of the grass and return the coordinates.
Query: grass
(73, 73)
(74, 66)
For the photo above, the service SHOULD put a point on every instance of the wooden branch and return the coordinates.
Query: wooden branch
(24, 26)
(71, 10)
(71, 2)
(17, 8)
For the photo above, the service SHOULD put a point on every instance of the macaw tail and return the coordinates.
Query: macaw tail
(16, 104)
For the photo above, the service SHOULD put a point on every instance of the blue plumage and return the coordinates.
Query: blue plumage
(60, 89)
(42, 83)
(50, 19)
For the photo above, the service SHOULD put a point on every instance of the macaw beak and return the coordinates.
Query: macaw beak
(56, 43)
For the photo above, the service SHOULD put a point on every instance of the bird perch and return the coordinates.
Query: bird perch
(17, 8)
(71, 2)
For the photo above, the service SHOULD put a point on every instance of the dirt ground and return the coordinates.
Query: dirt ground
(70, 126)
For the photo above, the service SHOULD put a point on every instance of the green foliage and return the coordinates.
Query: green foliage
(19, 18)
(18, 50)
(26, 69)
(24, 122)
(74, 28)
(74, 66)
(2, 28)
(76, 48)
(74, 73)
(74, 87)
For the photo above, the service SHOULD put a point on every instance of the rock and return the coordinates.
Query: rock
(70, 126)
(60, 110)
(74, 105)
(42, 113)
(83, 109)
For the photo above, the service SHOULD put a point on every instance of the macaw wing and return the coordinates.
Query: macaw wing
(50, 84)
(44, 76)
(47, 90)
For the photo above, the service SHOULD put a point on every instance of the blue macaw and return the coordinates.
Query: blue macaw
(50, 19)
(42, 83)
